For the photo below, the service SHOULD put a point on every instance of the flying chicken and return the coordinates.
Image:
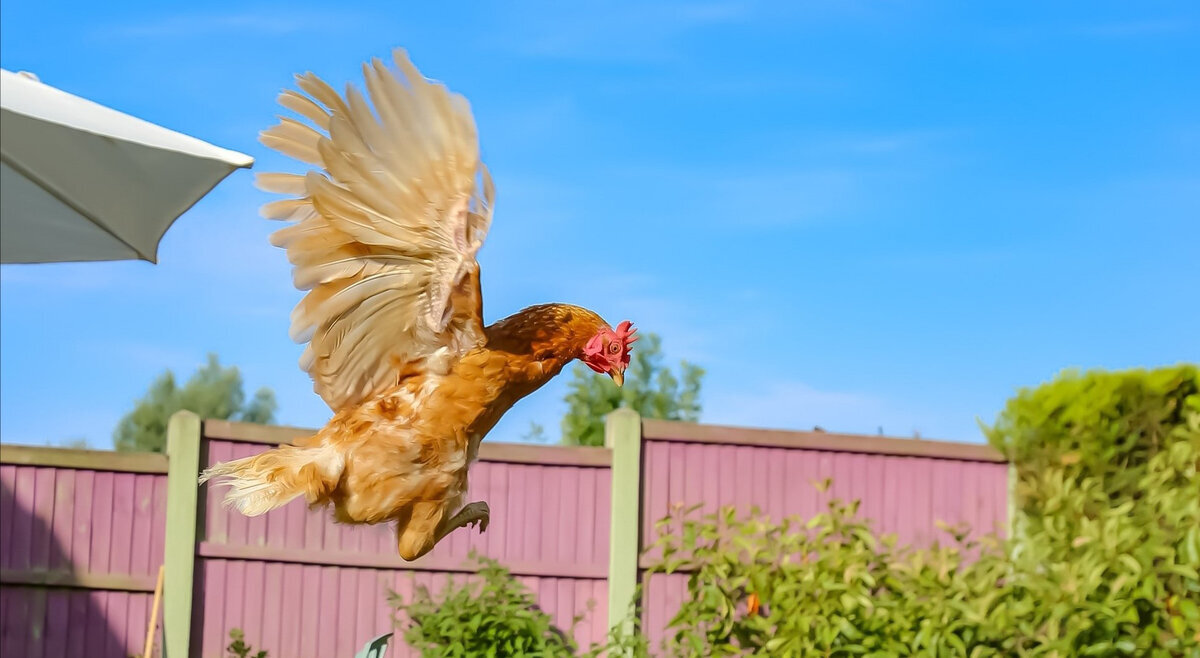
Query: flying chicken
(387, 227)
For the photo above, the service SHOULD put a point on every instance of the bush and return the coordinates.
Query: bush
(1108, 504)
(826, 586)
(491, 614)
(1106, 564)
(1108, 583)
(239, 649)
(1104, 425)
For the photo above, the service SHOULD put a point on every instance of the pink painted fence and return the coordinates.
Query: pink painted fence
(300, 585)
(83, 533)
(81, 542)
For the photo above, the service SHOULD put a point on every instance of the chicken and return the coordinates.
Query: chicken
(384, 243)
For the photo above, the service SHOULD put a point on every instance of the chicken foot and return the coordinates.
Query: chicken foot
(472, 514)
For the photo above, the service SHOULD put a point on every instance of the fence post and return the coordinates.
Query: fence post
(1014, 520)
(623, 435)
(1012, 501)
(179, 559)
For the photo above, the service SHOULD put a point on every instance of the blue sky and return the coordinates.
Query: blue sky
(853, 214)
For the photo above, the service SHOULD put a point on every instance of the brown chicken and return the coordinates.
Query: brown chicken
(384, 242)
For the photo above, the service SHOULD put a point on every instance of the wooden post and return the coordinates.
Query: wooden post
(1014, 526)
(179, 560)
(623, 435)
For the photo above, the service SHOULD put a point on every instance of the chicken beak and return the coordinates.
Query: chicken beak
(618, 376)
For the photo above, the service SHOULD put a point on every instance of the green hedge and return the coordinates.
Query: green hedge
(1103, 425)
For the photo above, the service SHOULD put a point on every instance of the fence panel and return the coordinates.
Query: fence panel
(300, 585)
(80, 549)
(82, 533)
(904, 486)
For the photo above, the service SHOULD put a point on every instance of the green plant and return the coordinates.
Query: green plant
(1108, 506)
(824, 586)
(829, 586)
(239, 649)
(1105, 564)
(1104, 425)
(1104, 576)
(490, 614)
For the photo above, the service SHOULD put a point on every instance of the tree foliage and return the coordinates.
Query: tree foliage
(651, 389)
(212, 391)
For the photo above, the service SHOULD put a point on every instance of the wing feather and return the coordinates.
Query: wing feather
(305, 107)
(386, 228)
(293, 139)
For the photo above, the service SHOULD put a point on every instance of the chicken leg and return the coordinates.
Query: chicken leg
(419, 534)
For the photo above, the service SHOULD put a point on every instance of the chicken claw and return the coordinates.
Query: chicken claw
(475, 514)
(471, 514)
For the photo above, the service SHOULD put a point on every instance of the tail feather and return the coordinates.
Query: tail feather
(263, 482)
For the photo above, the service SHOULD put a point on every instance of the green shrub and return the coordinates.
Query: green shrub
(239, 649)
(491, 614)
(1113, 577)
(1104, 425)
(826, 586)
(1113, 584)
(1108, 503)
(1106, 563)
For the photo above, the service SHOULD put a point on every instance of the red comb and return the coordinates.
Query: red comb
(625, 332)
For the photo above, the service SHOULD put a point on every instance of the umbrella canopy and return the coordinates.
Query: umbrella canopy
(84, 182)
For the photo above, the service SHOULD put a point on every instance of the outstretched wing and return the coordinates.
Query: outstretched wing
(387, 230)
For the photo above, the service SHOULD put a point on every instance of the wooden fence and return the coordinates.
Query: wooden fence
(905, 487)
(81, 541)
(83, 532)
(549, 526)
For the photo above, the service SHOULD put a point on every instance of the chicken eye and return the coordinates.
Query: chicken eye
(614, 348)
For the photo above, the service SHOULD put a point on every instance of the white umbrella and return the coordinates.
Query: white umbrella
(84, 182)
